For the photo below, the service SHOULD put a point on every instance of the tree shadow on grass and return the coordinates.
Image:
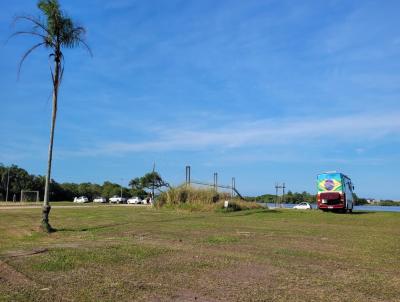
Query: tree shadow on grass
(363, 213)
(177, 219)
(226, 214)
(354, 213)
(86, 229)
(252, 212)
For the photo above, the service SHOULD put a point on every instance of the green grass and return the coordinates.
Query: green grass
(67, 258)
(40, 203)
(221, 239)
(110, 253)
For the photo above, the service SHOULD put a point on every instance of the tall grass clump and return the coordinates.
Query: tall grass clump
(238, 205)
(190, 195)
(193, 198)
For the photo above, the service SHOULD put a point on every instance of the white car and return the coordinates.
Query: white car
(134, 200)
(100, 199)
(81, 199)
(147, 200)
(303, 206)
(117, 199)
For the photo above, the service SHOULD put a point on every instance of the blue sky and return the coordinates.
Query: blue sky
(266, 91)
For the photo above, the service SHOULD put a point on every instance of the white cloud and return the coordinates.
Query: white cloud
(362, 128)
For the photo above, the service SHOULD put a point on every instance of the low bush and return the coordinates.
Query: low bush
(389, 203)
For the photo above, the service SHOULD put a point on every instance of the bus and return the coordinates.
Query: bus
(335, 192)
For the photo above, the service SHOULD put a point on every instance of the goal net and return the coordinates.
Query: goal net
(29, 196)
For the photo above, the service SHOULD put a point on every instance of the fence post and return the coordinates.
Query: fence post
(216, 181)
(233, 186)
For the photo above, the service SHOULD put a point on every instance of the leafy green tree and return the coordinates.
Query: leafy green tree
(137, 188)
(149, 181)
(70, 190)
(56, 191)
(89, 190)
(56, 31)
(153, 179)
(138, 192)
(359, 201)
(289, 198)
(19, 179)
(110, 189)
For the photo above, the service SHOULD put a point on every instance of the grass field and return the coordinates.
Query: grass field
(144, 254)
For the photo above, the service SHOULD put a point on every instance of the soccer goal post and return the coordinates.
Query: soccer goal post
(29, 196)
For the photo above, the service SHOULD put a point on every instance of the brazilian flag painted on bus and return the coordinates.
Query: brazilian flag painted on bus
(329, 182)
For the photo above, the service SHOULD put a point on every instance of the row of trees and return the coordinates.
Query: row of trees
(296, 197)
(300, 197)
(290, 197)
(19, 179)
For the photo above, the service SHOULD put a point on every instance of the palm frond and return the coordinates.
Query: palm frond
(34, 21)
(33, 33)
(27, 33)
(86, 46)
(26, 54)
(57, 31)
(50, 8)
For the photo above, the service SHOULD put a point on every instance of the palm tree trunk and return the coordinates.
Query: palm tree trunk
(46, 206)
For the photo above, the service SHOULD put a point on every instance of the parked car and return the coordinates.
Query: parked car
(81, 199)
(147, 200)
(117, 199)
(100, 199)
(134, 200)
(303, 206)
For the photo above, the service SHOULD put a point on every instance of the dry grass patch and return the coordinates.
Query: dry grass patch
(198, 199)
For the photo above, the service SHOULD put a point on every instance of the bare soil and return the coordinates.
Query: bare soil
(14, 278)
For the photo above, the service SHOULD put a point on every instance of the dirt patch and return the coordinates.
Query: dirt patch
(25, 253)
(185, 295)
(232, 283)
(70, 245)
(10, 275)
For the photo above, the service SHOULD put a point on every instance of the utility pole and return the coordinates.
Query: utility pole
(154, 170)
(277, 187)
(187, 175)
(233, 186)
(8, 181)
(121, 186)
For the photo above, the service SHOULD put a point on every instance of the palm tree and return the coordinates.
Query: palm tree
(55, 31)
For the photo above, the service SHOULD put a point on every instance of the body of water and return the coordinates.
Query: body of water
(356, 208)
